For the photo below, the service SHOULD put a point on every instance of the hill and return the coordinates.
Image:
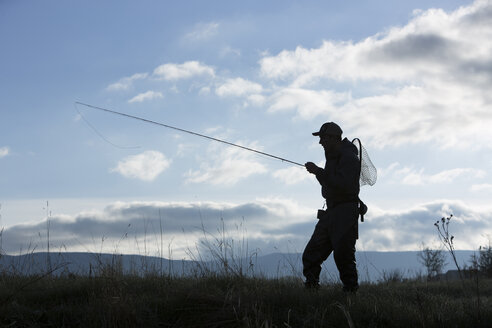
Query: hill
(372, 266)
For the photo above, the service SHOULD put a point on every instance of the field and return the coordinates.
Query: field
(115, 300)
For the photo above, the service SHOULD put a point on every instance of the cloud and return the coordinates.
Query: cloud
(189, 69)
(126, 82)
(228, 166)
(145, 166)
(238, 87)
(4, 151)
(410, 176)
(427, 79)
(307, 103)
(405, 230)
(483, 187)
(149, 95)
(431, 44)
(446, 176)
(123, 226)
(202, 32)
(291, 175)
(449, 176)
(267, 225)
(256, 100)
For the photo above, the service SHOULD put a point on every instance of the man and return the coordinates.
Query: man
(337, 228)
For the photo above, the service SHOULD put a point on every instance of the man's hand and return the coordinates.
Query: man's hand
(312, 168)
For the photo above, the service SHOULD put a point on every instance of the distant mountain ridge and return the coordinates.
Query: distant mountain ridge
(372, 266)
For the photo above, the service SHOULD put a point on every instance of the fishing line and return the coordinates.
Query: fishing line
(187, 131)
(100, 134)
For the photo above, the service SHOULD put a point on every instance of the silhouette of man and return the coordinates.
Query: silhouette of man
(337, 228)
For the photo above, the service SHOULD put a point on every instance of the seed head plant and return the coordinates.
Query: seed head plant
(447, 239)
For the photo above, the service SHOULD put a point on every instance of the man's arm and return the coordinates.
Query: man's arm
(344, 177)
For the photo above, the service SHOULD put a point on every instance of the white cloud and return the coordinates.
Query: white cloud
(230, 165)
(410, 176)
(387, 171)
(4, 151)
(186, 70)
(149, 95)
(447, 117)
(449, 176)
(202, 32)
(238, 87)
(291, 175)
(145, 166)
(407, 229)
(429, 79)
(126, 82)
(256, 100)
(428, 46)
(483, 187)
(307, 103)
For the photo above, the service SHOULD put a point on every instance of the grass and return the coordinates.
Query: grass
(231, 301)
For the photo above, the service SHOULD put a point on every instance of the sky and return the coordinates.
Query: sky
(411, 79)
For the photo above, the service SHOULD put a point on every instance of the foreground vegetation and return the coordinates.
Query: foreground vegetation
(114, 300)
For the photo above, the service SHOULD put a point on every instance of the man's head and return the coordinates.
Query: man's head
(330, 136)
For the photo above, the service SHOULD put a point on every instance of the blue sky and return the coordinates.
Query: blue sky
(410, 79)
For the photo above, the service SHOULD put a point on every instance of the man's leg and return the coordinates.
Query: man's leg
(344, 255)
(316, 252)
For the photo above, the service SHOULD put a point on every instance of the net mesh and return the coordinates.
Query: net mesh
(368, 172)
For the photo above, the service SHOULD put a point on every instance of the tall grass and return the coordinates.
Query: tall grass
(231, 301)
(222, 254)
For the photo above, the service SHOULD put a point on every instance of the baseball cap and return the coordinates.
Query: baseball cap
(329, 128)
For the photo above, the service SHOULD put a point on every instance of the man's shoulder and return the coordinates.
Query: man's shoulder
(348, 148)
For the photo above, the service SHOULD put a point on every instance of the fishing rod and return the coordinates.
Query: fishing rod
(186, 131)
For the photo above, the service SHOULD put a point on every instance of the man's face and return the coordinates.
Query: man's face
(329, 142)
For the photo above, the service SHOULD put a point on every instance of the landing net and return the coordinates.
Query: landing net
(368, 172)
